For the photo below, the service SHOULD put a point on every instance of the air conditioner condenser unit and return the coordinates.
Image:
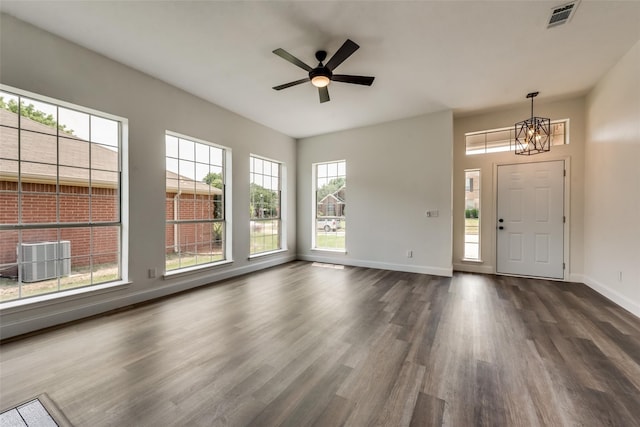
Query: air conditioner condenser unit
(44, 260)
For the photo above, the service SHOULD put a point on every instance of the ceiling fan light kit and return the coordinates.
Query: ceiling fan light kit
(533, 135)
(322, 75)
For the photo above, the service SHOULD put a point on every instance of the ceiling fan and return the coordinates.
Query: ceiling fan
(322, 75)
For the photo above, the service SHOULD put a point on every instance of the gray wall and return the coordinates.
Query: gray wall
(612, 202)
(39, 62)
(395, 172)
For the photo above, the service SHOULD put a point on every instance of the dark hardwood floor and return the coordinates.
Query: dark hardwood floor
(300, 345)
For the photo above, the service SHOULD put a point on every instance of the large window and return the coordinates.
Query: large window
(264, 205)
(330, 223)
(472, 214)
(61, 196)
(196, 231)
(503, 139)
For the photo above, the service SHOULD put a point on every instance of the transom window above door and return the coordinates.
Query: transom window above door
(502, 139)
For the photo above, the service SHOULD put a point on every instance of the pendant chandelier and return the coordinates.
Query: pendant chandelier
(533, 136)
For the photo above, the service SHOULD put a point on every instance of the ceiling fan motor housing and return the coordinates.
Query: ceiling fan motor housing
(321, 55)
(320, 71)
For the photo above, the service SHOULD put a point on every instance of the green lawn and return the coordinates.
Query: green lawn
(79, 277)
(264, 237)
(175, 261)
(330, 240)
(264, 244)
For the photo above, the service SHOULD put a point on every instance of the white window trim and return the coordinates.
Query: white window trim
(283, 209)
(264, 254)
(124, 204)
(314, 209)
(228, 218)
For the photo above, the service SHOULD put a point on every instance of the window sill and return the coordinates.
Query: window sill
(58, 297)
(337, 251)
(264, 254)
(474, 261)
(196, 269)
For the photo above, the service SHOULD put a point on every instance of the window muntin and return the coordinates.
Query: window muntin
(61, 196)
(196, 226)
(265, 189)
(329, 220)
(499, 140)
(472, 215)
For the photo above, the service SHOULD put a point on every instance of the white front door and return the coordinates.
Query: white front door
(530, 228)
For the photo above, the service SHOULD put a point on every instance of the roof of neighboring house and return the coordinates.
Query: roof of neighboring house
(39, 158)
(177, 183)
(335, 196)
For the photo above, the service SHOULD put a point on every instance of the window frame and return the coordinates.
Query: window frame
(121, 223)
(281, 208)
(226, 220)
(315, 202)
(472, 189)
(503, 147)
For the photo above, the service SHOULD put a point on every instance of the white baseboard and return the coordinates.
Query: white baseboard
(436, 271)
(189, 282)
(576, 278)
(474, 268)
(39, 315)
(615, 296)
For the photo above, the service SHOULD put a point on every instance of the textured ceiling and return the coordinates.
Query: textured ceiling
(426, 55)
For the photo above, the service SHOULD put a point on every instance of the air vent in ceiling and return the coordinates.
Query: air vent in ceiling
(562, 14)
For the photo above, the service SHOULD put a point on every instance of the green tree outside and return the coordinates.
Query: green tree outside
(30, 112)
(263, 202)
(214, 179)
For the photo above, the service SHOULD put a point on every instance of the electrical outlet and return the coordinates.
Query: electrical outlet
(431, 213)
(409, 253)
(152, 273)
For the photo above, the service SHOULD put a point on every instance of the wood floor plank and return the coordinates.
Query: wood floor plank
(489, 407)
(548, 396)
(335, 413)
(428, 411)
(316, 400)
(303, 345)
(374, 378)
(401, 401)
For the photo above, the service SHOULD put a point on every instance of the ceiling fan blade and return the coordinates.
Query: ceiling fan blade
(295, 61)
(324, 94)
(358, 80)
(345, 51)
(286, 85)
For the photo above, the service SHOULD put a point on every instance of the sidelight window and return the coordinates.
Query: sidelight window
(472, 215)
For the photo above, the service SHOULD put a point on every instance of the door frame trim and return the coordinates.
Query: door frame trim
(567, 214)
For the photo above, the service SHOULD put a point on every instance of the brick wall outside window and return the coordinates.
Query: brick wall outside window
(39, 206)
(193, 238)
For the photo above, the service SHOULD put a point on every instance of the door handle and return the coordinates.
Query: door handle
(501, 220)
(501, 228)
